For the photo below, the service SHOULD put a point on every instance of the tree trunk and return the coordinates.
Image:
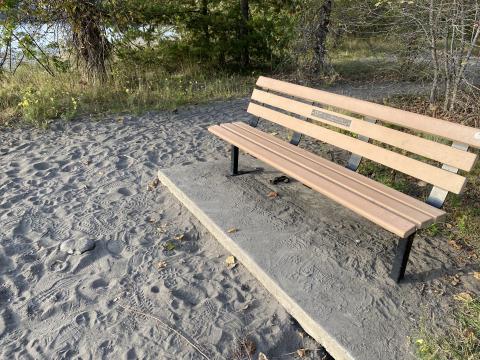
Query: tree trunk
(447, 69)
(320, 36)
(463, 65)
(245, 10)
(433, 22)
(5, 56)
(91, 45)
(206, 32)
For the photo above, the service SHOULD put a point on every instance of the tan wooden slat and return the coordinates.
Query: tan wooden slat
(379, 215)
(428, 173)
(426, 124)
(414, 144)
(431, 211)
(318, 167)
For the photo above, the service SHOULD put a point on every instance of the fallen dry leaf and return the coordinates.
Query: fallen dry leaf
(463, 296)
(161, 265)
(179, 237)
(231, 262)
(152, 185)
(262, 356)
(272, 194)
(454, 245)
(249, 347)
(232, 230)
(162, 229)
(472, 255)
(455, 280)
(476, 275)
(274, 133)
(301, 353)
(469, 333)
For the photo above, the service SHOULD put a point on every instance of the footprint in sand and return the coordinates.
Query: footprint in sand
(99, 284)
(41, 166)
(124, 192)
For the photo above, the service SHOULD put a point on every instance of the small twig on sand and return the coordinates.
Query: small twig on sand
(133, 311)
(296, 352)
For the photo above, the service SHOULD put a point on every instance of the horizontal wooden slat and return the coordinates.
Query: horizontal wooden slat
(379, 215)
(318, 167)
(414, 144)
(428, 173)
(422, 123)
(421, 206)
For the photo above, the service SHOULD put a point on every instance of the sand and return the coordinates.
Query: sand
(97, 261)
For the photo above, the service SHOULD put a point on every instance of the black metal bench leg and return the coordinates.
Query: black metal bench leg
(234, 160)
(401, 258)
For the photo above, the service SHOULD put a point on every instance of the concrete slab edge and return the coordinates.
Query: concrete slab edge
(314, 329)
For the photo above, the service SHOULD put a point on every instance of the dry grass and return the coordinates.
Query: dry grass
(32, 96)
(461, 342)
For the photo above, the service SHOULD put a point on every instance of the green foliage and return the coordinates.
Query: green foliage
(169, 246)
(462, 342)
(433, 230)
(209, 31)
(38, 107)
(386, 176)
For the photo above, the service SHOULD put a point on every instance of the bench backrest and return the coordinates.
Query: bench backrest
(276, 101)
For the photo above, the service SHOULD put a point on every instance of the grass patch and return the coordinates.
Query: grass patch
(374, 59)
(356, 48)
(32, 96)
(462, 342)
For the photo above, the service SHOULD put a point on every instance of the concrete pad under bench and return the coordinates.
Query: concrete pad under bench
(327, 266)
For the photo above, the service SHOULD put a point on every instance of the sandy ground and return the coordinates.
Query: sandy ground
(141, 292)
(95, 263)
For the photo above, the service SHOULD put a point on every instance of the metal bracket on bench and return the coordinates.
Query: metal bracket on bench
(438, 195)
(296, 138)
(254, 122)
(355, 160)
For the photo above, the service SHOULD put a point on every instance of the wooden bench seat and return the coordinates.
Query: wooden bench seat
(391, 209)
(321, 115)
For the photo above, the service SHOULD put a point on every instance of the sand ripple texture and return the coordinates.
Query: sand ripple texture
(140, 292)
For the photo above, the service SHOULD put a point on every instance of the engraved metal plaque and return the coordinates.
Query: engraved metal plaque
(331, 118)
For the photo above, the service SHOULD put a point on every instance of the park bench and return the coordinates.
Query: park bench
(316, 113)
